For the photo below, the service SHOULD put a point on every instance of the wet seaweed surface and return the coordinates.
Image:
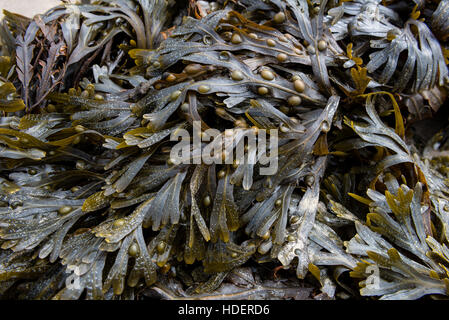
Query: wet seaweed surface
(93, 206)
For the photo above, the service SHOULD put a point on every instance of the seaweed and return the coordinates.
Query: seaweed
(95, 202)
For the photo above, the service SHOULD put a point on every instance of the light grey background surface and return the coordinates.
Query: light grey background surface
(27, 7)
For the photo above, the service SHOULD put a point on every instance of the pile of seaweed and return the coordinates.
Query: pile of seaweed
(93, 206)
